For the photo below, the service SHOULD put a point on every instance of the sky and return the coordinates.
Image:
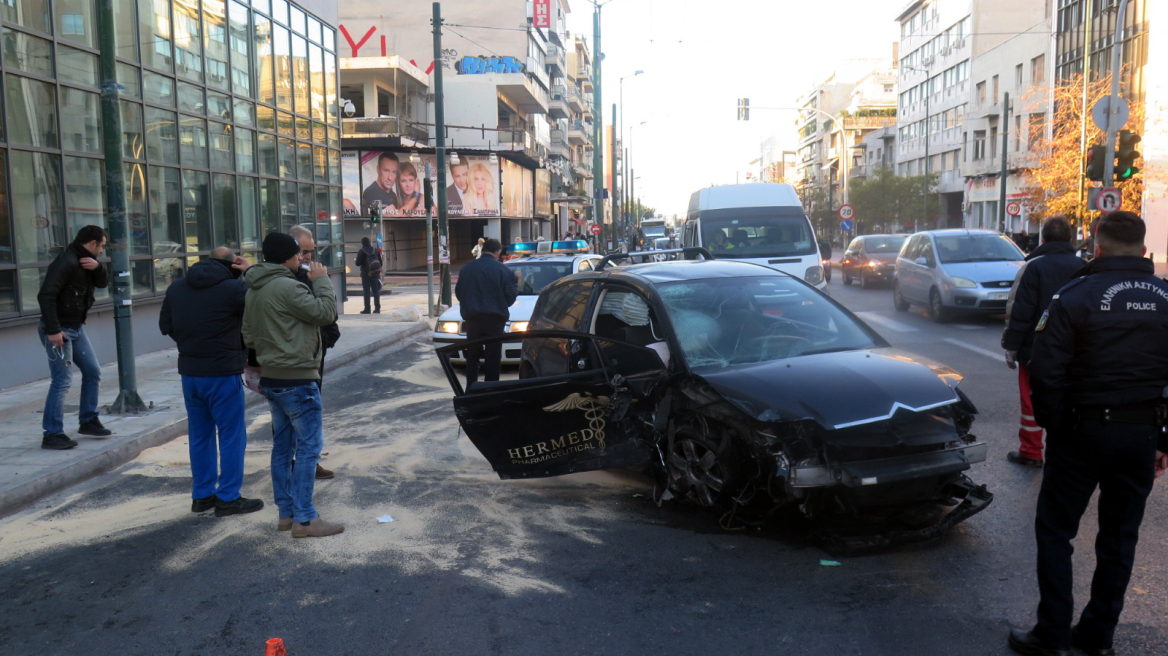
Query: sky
(699, 57)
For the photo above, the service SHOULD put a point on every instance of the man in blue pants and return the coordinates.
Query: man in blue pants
(203, 314)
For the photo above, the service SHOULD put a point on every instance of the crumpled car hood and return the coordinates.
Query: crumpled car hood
(837, 390)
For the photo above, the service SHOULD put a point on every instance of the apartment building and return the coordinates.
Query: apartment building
(496, 90)
(936, 43)
(1014, 65)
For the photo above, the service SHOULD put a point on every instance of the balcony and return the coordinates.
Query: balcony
(575, 102)
(519, 140)
(529, 97)
(555, 60)
(580, 133)
(558, 102)
(584, 76)
(559, 144)
(582, 170)
(868, 122)
(383, 126)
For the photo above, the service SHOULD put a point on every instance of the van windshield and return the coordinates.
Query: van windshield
(758, 235)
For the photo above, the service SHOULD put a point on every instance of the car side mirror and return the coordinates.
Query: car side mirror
(922, 261)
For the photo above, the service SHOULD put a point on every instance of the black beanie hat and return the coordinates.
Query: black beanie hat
(280, 247)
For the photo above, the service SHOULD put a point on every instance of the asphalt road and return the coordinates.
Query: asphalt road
(584, 564)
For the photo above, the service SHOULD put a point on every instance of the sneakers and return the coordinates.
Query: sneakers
(1019, 459)
(317, 528)
(284, 524)
(93, 427)
(57, 441)
(323, 474)
(240, 506)
(364, 311)
(204, 504)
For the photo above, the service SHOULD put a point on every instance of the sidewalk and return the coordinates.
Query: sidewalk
(28, 472)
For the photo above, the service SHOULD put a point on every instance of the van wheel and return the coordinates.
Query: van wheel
(937, 310)
(898, 301)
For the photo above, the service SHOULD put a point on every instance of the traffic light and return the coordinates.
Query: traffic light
(1126, 155)
(744, 109)
(375, 212)
(1095, 162)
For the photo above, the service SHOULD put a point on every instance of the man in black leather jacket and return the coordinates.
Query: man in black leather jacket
(1047, 269)
(486, 289)
(1098, 370)
(65, 298)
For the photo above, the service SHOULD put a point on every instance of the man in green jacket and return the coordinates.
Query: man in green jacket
(282, 318)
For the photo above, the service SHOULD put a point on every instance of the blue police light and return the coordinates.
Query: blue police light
(570, 246)
(523, 247)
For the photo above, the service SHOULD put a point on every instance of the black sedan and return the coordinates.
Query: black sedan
(871, 259)
(743, 389)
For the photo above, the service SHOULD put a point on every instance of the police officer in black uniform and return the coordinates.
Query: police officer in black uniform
(1098, 371)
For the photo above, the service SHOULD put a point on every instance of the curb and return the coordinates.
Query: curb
(21, 496)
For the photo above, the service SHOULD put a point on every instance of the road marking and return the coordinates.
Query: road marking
(891, 324)
(976, 349)
(965, 326)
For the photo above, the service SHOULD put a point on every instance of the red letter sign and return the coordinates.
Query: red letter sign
(542, 10)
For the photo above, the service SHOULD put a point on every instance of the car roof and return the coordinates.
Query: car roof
(660, 272)
(894, 234)
(960, 231)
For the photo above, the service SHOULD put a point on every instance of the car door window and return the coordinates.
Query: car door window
(585, 265)
(565, 305)
(624, 315)
(855, 245)
(926, 251)
(912, 249)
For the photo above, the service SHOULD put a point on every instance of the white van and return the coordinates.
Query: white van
(760, 223)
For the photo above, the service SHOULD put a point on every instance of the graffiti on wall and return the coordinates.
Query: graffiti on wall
(481, 65)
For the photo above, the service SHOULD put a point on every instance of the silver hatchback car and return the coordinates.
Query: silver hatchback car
(949, 271)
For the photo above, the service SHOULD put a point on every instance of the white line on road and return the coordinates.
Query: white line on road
(975, 349)
(891, 324)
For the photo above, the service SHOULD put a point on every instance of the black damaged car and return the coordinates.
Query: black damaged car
(743, 389)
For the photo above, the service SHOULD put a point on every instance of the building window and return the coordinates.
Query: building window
(1018, 76)
(981, 93)
(995, 83)
(1038, 70)
(979, 145)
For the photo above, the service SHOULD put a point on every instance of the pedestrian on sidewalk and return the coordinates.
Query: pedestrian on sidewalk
(486, 288)
(478, 249)
(371, 265)
(330, 334)
(1047, 269)
(203, 314)
(1098, 369)
(65, 298)
(282, 319)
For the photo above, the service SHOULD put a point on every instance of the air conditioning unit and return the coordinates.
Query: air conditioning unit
(927, 61)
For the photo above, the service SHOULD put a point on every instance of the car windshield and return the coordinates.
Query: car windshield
(729, 321)
(761, 235)
(537, 275)
(952, 249)
(883, 244)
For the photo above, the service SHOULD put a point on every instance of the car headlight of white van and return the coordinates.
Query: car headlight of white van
(962, 283)
(448, 327)
(814, 275)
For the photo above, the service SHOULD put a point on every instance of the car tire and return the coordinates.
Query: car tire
(847, 278)
(864, 282)
(898, 301)
(937, 310)
(826, 274)
(693, 476)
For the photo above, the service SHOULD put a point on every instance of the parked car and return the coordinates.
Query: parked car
(951, 271)
(538, 271)
(742, 389)
(871, 259)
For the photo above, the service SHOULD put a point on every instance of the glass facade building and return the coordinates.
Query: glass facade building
(229, 130)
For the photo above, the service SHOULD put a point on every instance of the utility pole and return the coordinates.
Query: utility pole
(928, 131)
(1002, 176)
(1087, 39)
(612, 192)
(1113, 124)
(430, 240)
(128, 401)
(440, 153)
(598, 142)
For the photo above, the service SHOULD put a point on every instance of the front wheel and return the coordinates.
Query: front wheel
(937, 310)
(898, 299)
(847, 278)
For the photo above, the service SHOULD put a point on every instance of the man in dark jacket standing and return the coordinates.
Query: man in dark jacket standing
(330, 334)
(203, 314)
(369, 261)
(1047, 269)
(486, 289)
(65, 298)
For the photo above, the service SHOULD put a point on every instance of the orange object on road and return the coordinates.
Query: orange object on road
(275, 647)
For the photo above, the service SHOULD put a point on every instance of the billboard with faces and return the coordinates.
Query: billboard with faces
(394, 183)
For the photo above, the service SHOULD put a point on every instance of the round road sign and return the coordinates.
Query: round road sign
(1112, 106)
(846, 225)
(846, 212)
(1108, 200)
(1013, 208)
(595, 229)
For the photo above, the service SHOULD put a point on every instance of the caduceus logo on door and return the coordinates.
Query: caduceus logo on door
(575, 442)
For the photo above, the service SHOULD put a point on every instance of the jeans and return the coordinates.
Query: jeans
(371, 287)
(215, 403)
(297, 432)
(76, 350)
(1118, 458)
(478, 328)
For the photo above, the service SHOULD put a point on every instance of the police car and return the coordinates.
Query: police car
(540, 263)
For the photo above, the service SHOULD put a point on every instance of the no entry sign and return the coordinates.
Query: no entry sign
(595, 229)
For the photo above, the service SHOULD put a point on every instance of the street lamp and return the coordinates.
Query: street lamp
(621, 131)
(628, 162)
(928, 131)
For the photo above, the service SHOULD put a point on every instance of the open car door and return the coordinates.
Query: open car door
(583, 406)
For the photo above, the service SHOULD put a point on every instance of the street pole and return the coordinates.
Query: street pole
(597, 142)
(430, 244)
(1002, 177)
(624, 193)
(928, 164)
(1113, 125)
(128, 401)
(634, 202)
(612, 193)
(1087, 14)
(440, 153)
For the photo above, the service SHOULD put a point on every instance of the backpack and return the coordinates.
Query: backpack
(374, 263)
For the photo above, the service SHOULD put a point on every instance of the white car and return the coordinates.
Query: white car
(538, 272)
